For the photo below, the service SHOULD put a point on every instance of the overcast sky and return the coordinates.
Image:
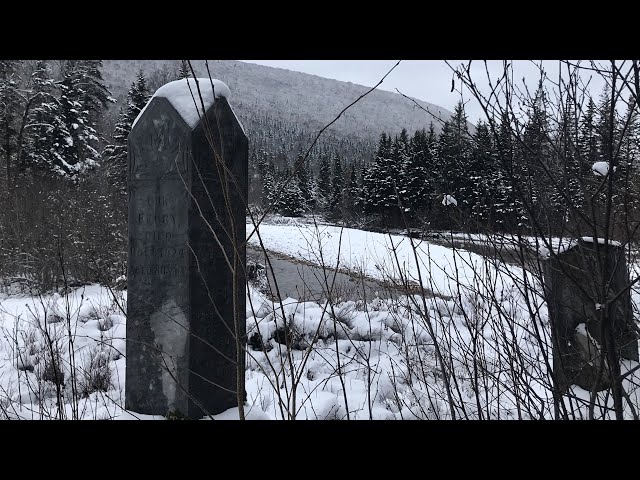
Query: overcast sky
(428, 80)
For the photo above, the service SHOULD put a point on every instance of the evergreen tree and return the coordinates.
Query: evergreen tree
(454, 150)
(511, 184)
(290, 202)
(184, 71)
(627, 191)
(430, 152)
(587, 139)
(83, 98)
(337, 186)
(454, 153)
(610, 146)
(137, 98)
(257, 168)
(360, 198)
(323, 190)
(268, 185)
(566, 162)
(535, 158)
(605, 126)
(116, 153)
(380, 182)
(45, 144)
(301, 177)
(352, 193)
(414, 175)
(9, 110)
(483, 178)
(630, 138)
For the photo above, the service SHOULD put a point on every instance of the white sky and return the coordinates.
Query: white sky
(428, 80)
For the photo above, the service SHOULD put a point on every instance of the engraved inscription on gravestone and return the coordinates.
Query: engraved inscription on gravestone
(181, 351)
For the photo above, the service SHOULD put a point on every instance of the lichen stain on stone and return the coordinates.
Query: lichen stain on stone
(170, 330)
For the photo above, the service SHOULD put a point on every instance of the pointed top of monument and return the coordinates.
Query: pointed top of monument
(183, 96)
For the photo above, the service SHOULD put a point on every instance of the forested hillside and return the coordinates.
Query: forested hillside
(283, 111)
(305, 101)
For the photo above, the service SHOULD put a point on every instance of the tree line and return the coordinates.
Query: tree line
(496, 173)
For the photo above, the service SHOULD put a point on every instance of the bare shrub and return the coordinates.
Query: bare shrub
(95, 373)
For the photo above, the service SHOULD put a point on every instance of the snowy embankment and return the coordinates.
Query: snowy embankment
(537, 246)
(396, 259)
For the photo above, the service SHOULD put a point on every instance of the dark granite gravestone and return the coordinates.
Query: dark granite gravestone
(572, 283)
(185, 211)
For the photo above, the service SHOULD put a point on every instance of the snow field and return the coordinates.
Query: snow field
(476, 346)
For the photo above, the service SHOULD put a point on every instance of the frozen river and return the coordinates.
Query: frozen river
(307, 282)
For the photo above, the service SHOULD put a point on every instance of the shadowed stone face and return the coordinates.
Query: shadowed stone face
(181, 348)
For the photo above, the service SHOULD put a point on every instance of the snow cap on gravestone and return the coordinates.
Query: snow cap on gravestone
(184, 97)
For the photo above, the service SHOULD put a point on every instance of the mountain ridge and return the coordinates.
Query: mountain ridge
(306, 100)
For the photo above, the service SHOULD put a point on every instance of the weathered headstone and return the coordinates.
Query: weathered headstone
(573, 284)
(187, 184)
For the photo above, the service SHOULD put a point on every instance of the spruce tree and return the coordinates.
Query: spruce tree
(290, 202)
(116, 153)
(352, 193)
(360, 200)
(454, 152)
(430, 152)
(605, 126)
(184, 71)
(587, 139)
(587, 149)
(511, 185)
(479, 185)
(138, 96)
(268, 185)
(627, 187)
(566, 161)
(414, 177)
(380, 182)
(337, 186)
(611, 149)
(301, 177)
(9, 110)
(46, 136)
(629, 138)
(83, 98)
(323, 190)
(535, 157)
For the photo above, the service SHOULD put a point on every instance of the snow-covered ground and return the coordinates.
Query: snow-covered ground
(477, 347)
(85, 331)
